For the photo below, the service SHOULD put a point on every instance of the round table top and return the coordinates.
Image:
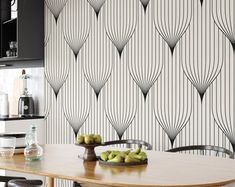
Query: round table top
(163, 169)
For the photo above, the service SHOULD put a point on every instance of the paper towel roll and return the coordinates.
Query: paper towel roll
(4, 105)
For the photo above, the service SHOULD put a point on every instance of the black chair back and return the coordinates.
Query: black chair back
(24, 183)
(140, 143)
(203, 148)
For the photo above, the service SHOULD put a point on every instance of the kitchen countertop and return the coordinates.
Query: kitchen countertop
(16, 117)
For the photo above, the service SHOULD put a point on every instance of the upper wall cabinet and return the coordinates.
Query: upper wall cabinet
(22, 33)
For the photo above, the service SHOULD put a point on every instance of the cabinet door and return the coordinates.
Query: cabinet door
(23, 126)
(30, 34)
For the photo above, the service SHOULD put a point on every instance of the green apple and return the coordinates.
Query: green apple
(98, 139)
(88, 139)
(80, 139)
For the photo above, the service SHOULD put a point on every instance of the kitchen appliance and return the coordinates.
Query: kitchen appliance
(4, 105)
(7, 146)
(26, 103)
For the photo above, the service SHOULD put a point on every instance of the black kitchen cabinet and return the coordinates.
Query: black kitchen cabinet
(26, 29)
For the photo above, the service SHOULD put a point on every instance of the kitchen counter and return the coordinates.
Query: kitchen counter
(16, 117)
(15, 124)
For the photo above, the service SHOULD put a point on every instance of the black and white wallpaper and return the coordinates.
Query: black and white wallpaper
(157, 70)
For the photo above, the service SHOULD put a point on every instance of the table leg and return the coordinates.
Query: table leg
(50, 182)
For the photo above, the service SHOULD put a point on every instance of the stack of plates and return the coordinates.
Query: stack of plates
(20, 140)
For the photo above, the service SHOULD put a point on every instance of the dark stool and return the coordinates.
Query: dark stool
(24, 183)
(10, 181)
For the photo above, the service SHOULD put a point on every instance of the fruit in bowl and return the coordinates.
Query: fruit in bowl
(128, 156)
(98, 139)
(89, 139)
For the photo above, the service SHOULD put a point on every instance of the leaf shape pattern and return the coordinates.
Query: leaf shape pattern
(76, 95)
(98, 65)
(76, 24)
(147, 65)
(202, 64)
(224, 17)
(57, 58)
(145, 4)
(48, 24)
(172, 18)
(121, 18)
(96, 4)
(222, 94)
(172, 96)
(56, 6)
(120, 100)
(48, 92)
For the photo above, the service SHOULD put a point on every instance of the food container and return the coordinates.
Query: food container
(20, 138)
(7, 146)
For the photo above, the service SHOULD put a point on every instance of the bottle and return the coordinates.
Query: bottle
(33, 151)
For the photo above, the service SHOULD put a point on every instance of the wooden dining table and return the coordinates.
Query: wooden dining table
(163, 169)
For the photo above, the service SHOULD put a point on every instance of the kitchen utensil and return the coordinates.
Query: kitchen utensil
(7, 146)
(20, 138)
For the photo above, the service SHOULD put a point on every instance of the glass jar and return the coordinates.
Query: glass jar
(33, 151)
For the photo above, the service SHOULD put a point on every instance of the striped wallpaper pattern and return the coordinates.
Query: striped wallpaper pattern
(160, 71)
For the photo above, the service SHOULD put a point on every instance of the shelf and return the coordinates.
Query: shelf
(11, 21)
(16, 117)
(13, 59)
(16, 62)
(27, 30)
